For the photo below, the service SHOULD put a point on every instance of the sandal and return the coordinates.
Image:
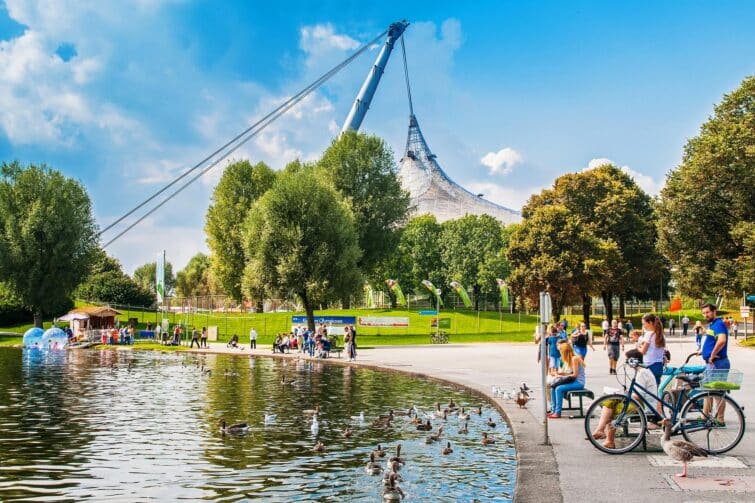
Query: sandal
(609, 445)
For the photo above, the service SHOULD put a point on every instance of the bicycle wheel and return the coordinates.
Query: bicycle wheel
(707, 430)
(626, 417)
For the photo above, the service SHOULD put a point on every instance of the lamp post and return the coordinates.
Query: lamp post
(437, 313)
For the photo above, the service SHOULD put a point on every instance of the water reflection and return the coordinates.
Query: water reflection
(120, 424)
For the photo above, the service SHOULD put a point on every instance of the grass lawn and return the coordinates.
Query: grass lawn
(749, 343)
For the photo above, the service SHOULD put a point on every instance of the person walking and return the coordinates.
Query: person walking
(699, 334)
(611, 342)
(671, 326)
(653, 345)
(252, 339)
(605, 326)
(580, 340)
(194, 338)
(203, 338)
(685, 324)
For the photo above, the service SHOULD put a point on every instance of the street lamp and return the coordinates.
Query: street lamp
(437, 313)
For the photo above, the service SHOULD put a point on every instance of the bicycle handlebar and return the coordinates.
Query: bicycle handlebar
(690, 357)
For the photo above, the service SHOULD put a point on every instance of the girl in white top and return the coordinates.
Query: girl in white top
(652, 345)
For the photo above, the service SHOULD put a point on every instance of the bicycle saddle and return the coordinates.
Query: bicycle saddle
(692, 380)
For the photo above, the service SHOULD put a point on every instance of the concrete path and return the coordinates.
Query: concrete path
(571, 469)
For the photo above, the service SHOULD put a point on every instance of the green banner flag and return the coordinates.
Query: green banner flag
(504, 292)
(396, 289)
(433, 290)
(462, 293)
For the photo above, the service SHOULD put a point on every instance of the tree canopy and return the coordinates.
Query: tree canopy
(144, 276)
(196, 278)
(707, 208)
(106, 282)
(47, 236)
(300, 240)
(362, 168)
(240, 186)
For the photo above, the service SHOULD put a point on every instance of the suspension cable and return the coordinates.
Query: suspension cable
(235, 143)
(406, 76)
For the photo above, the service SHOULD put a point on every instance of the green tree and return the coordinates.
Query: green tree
(240, 186)
(47, 236)
(419, 251)
(472, 251)
(362, 168)
(196, 278)
(300, 241)
(144, 276)
(707, 208)
(106, 282)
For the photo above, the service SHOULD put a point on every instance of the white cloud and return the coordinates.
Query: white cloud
(501, 162)
(510, 197)
(646, 182)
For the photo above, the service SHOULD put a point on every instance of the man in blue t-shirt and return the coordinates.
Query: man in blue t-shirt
(716, 341)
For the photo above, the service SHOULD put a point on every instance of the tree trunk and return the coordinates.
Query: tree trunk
(476, 292)
(557, 308)
(310, 310)
(608, 304)
(260, 307)
(346, 303)
(38, 319)
(622, 308)
(392, 298)
(586, 302)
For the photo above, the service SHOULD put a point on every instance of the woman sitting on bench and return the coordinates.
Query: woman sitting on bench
(570, 381)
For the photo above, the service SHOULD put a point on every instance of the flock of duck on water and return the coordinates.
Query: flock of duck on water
(391, 476)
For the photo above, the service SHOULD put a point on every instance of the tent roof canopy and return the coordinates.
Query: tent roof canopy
(95, 311)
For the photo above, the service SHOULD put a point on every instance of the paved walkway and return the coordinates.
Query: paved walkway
(572, 470)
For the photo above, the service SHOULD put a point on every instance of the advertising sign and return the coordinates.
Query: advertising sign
(383, 321)
(444, 323)
(429, 312)
(328, 320)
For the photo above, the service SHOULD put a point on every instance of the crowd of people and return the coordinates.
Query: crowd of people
(317, 343)
(566, 352)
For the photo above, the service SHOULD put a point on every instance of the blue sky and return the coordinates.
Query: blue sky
(510, 95)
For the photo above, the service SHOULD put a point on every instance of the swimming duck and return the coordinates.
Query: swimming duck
(416, 419)
(379, 452)
(347, 433)
(359, 418)
(479, 410)
(284, 382)
(270, 418)
(392, 492)
(452, 405)
(680, 450)
(486, 440)
(397, 458)
(490, 422)
(312, 412)
(439, 413)
(383, 421)
(463, 415)
(437, 436)
(464, 428)
(205, 371)
(319, 447)
(447, 449)
(425, 427)
(407, 412)
(234, 429)
(392, 469)
(372, 467)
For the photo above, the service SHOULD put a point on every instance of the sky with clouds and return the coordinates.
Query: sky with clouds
(123, 95)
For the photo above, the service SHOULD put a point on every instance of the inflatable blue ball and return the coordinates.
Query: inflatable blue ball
(33, 338)
(54, 338)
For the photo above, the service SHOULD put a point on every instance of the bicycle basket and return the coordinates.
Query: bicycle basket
(727, 380)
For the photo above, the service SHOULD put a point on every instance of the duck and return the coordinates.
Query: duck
(379, 452)
(439, 413)
(392, 492)
(425, 427)
(479, 410)
(464, 429)
(490, 422)
(447, 449)
(452, 405)
(680, 450)
(407, 412)
(522, 398)
(383, 421)
(234, 429)
(463, 415)
(436, 436)
(372, 467)
(312, 412)
(205, 371)
(270, 418)
(284, 382)
(347, 433)
(416, 419)
(392, 469)
(486, 440)
(319, 447)
(359, 418)
(397, 458)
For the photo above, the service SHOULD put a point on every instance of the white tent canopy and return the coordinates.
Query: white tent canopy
(73, 316)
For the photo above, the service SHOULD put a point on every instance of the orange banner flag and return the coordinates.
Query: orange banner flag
(676, 304)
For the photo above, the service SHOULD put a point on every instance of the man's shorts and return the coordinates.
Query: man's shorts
(613, 351)
(554, 362)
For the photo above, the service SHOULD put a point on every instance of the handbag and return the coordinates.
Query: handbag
(563, 380)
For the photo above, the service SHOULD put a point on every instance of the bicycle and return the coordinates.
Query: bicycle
(688, 413)
(670, 373)
(439, 338)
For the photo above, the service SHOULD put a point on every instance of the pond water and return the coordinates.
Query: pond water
(132, 425)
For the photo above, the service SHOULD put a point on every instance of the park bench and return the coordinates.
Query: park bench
(580, 394)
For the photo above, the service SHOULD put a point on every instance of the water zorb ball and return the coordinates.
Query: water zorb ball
(54, 338)
(33, 338)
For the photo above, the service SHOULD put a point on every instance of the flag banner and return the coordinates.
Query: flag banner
(676, 304)
(462, 293)
(370, 296)
(396, 289)
(160, 277)
(432, 290)
(504, 289)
